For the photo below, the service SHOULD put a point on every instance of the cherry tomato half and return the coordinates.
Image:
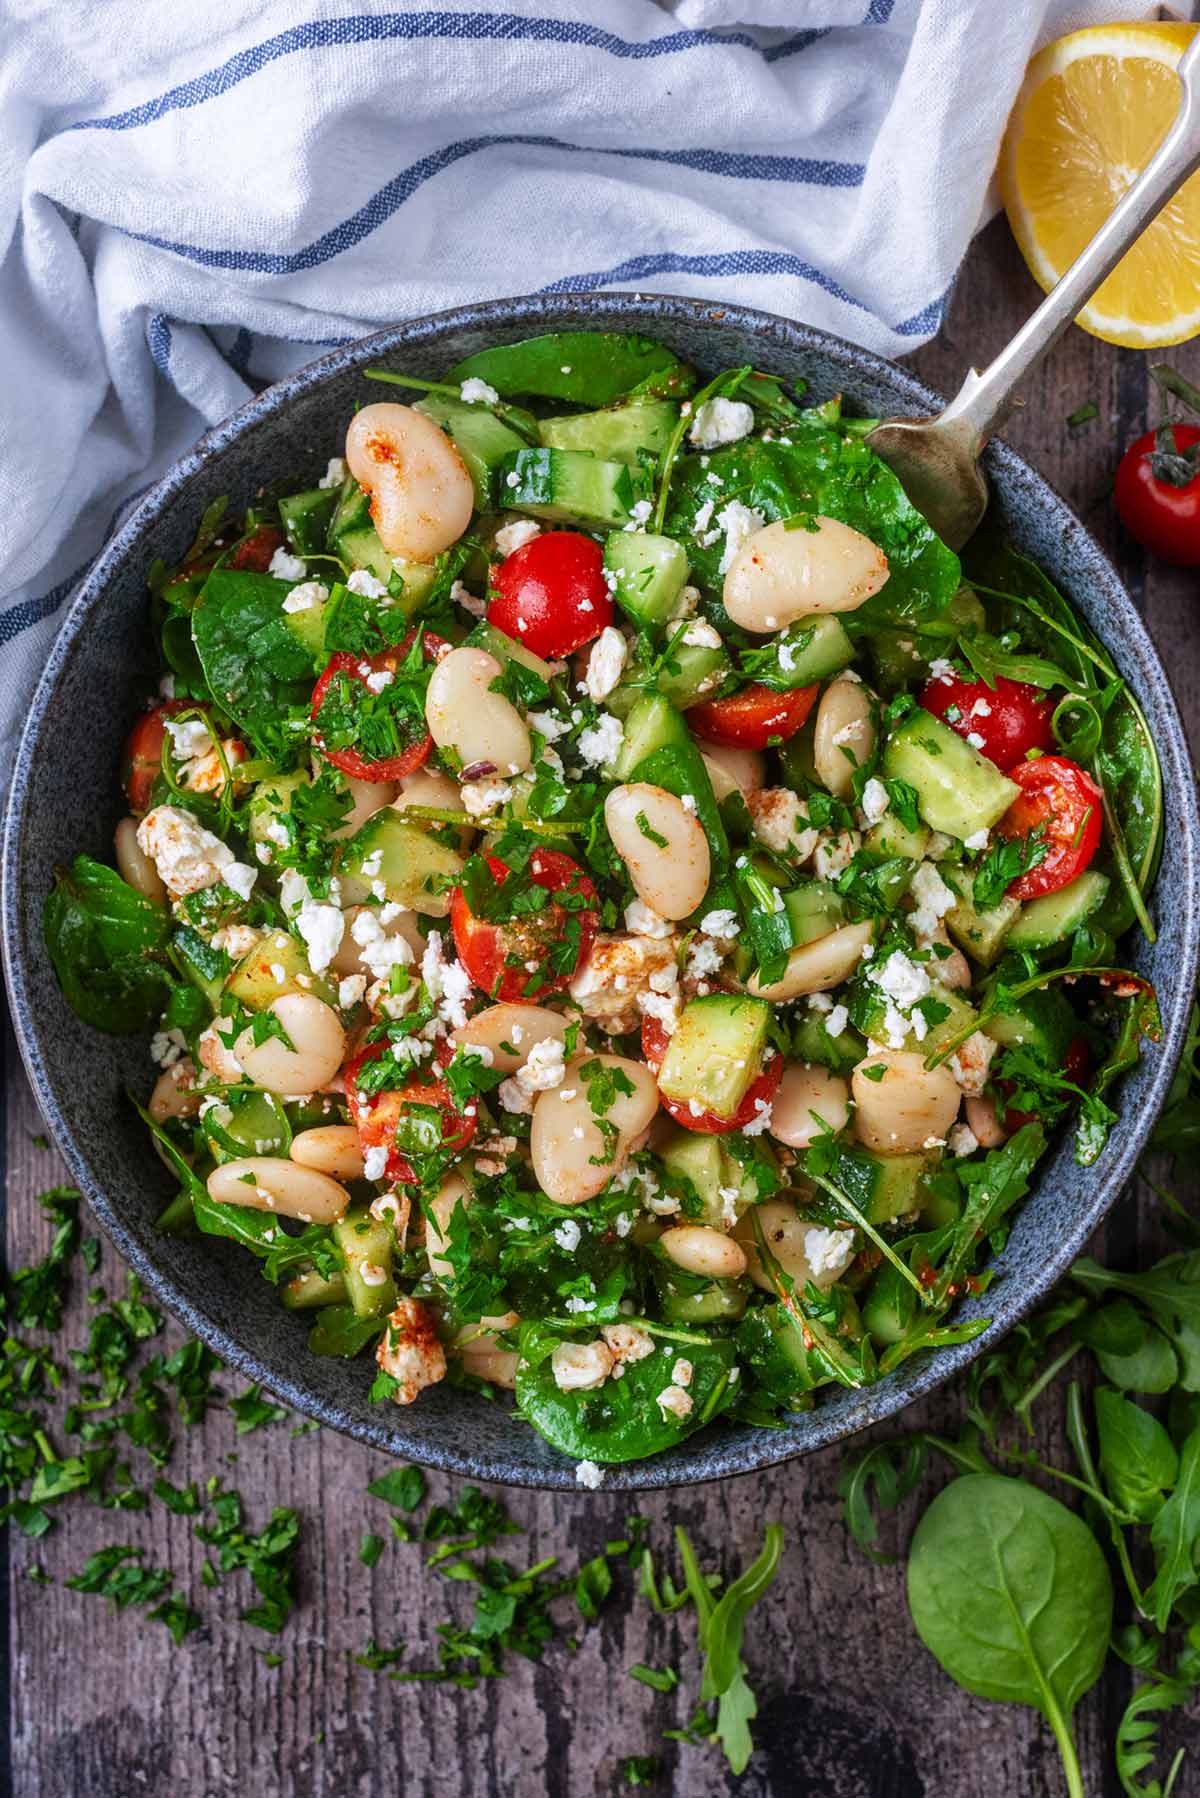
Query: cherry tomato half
(141, 761)
(1065, 801)
(752, 719)
(1077, 1063)
(708, 1123)
(551, 594)
(379, 1117)
(1163, 516)
(510, 960)
(1011, 719)
(255, 551)
(360, 670)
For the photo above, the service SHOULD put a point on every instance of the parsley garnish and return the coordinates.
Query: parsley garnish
(1006, 860)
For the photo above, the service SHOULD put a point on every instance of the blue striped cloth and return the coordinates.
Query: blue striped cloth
(213, 194)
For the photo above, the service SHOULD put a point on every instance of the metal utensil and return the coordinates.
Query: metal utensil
(937, 459)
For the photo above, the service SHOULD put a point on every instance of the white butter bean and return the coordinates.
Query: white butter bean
(421, 494)
(566, 1143)
(733, 770)
(518, 1026)
(784, 1230)
(369, 797)
(482, 1354)
(332, 1149)
(427, 786)
(453, 1192)
(134, 865)
(819, 966)
(804, 1090)
(318, 1047)
(463, 713)
(670, 876)
(264, 1183)
(697, 1249)
(780, 575)
(843, 736)
(907, 1106)
(982, 1121)
(175, 1092)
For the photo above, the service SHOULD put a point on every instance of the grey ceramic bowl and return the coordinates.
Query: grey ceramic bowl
(65, 798)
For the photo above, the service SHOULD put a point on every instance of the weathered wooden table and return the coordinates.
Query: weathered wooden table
(105, 1706)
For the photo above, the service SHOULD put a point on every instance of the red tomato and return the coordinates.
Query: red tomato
(378, 1116)
(764, 1086)
(1076, 1066)
(1162, 515)
(551, 594)
(388, 767)
(255, 551)
(142, 758)
(752, 719)
(1063, 798)
(497, 956)
(1012, 718)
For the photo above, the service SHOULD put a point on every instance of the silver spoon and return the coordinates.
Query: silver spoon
(937, 459)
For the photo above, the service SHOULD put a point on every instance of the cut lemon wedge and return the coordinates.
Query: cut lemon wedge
(1093, 109)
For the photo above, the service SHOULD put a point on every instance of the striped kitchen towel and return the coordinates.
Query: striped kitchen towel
(195, 199)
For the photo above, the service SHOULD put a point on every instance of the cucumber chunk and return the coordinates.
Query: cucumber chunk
(366, 1245)
(889, 838)
(619, 434)
(649, 575)
(255, 981)
(958, 790)
(868, 1008)
(806, 653)
(1042, 1021)
(272, 800)
(306, 519)
(815, 909)
(352, 510)
(715, 1054)
(981, 934)
(480, 438)
(685, 1299)
(711, 1169)
(694, 671)
(507, 649)
(204, 966)
(1051, 919)
(413, 866)
(567, 485)
(652, 724)
(362, 549)
(812, 1042)
(882, 1186)
(308, 1291)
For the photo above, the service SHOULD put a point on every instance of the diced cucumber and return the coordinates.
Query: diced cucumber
(308, 628)
(1051, 919)
(649, 574)
(481, 439)
(700, 1159)
(306, 518)
(812, 1042)
(796, 756)
(308, 1291)
(815, 908)
(889, 837)
(695, 671)
(868, 1008)
(507, 649)
(255, 982)
(958, 790)
(882, 1186)
(246, 1123)
(982, 934)
(416, 869)
(565, 484)
(271, 800)
(806, 653)
(652, 724)
(205, 967)
(351, 511)
(362, 549)
(685, 1299)
(366, 1245)
(715, 1054)
(618, 434)
(1041, 1021)
(584, 368)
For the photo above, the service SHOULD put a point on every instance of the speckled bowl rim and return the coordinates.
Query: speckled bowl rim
(715, 1458)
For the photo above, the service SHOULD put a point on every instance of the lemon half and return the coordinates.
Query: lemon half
(1092, 110)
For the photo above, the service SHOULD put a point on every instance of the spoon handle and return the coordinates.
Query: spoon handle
(985, 399)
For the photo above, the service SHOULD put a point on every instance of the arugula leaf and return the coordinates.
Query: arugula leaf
(1175, 1534)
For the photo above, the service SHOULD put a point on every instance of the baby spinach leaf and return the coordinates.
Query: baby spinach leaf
(1175, 1537)
(258, 670)
(101, 935)
(1011, 1594)
(1131, 1352)
(623, 1420)
(818, 470)
(1137, 1457)
(586, 368)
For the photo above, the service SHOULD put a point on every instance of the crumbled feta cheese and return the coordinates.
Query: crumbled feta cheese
(675, 1402)
(335, 473)
(605, 663)
(974, 739)
(970, 1062)
(380, 950)
(367, 585)
(639, 515)
(962, 1140)
(166, 1046)
(512, 537)
(875, 800)
(942, 670)
(461, 597)
(628, 1342)
(600, 745)
(447, 983)
(703, 957)
(379, 679)
(478, 393)
(375, 1162)
(304, 597)
(720, 421)
(834, 853)
(581, 1366)
(643, 920)
(702, 523)
(550, 724)
(480, 797)
(738, 522)
(285, 566)
(836, 1021)
(612, 984)
(588, 1474)
(322, 927)
(513, 1098)
(722, 922)
(828, 1252)
(685, 605)
(189, 739)
(236, 939)
(567, 1235)
(702, 635)
(980, 709)
(681, 1373)
(977, 841)
(780, 822)
(188, 857)
(351, 989)
(934, 899)
(762, 1122)
(544, 1068)
(901, 979)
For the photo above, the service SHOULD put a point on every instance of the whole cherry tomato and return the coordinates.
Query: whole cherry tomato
(1004, 722)
(381, 1117)
(551, 594)
(1063, 799)
(408, 741)
(510, 958)
(141, 761)
(755, 718)
(762, 1088)
(1157, 493)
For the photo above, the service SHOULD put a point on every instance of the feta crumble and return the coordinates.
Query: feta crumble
(366, 584)
(304, 597)
(478, 393)
(720, 421)
(512, 537)
(588, 1474)
(606, 663)
(600, 744)
(285, 566)
(828, 1252)
(738, 522)
(875, 800)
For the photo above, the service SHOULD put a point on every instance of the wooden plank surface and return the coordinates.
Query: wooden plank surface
(104, 1706)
